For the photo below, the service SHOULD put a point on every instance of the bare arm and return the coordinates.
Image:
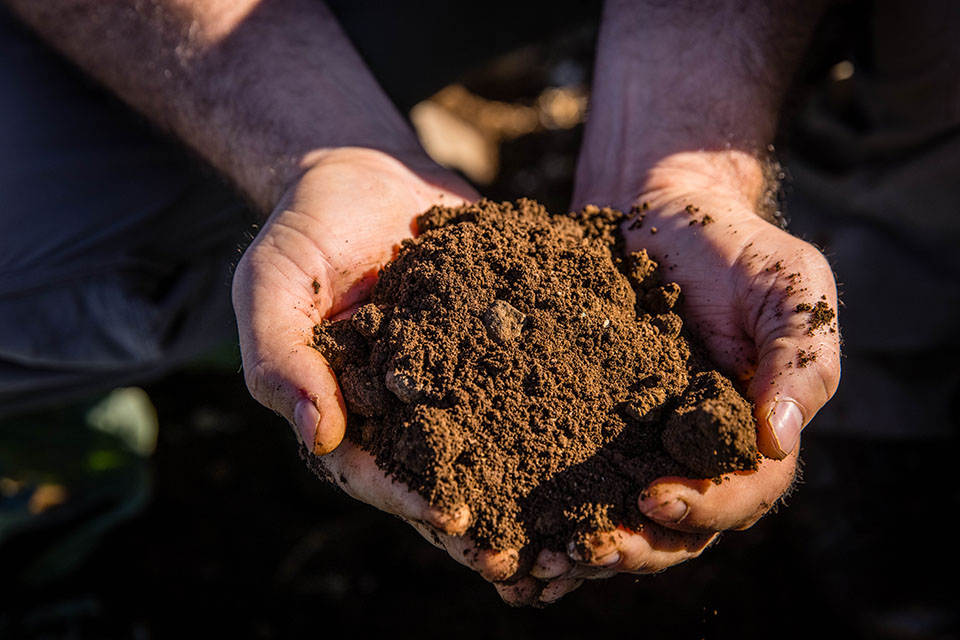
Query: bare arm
(677, 78)
(260, 89)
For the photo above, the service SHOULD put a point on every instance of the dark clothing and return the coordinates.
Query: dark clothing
(115, 248)
(116, 245)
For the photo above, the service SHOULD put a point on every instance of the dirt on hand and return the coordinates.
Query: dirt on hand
(517, 362)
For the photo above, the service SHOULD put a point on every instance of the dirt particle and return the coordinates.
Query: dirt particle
(703, 424)
(404, 386)
(662, 299)
(367, 320)
(640, 269)
(820, 314)
(503, 321)
(805, 357)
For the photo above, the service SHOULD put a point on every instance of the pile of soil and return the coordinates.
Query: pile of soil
(518, 362)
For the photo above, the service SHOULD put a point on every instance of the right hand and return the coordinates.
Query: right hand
(316, 258)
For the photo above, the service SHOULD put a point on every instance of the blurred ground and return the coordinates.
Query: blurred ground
(238, 538)
(223, 531)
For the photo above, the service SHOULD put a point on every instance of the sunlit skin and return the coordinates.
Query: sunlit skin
(684, 104)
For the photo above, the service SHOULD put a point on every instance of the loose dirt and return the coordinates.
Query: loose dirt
(820, 314)
(518, 362)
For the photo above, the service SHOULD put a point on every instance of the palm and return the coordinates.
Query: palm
(311, 249)
(740, 286)
(316, 258)
(741, 280)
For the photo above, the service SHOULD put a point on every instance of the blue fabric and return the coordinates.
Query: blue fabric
(115, 245)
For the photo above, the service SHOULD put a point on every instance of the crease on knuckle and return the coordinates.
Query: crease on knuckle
(260, 383)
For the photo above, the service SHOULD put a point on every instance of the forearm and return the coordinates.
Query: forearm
(261, 89)
(697, 83)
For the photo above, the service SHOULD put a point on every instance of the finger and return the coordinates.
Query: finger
(556, 589)
(588, 572)
(454, 522)
(701, 506)
(282, 371)
(798, 371)
(428, 533)
(493, 566)
(523, 592)
(655, 549)
(599, 549)
(649, 550)
(550, 564)
(357, 473)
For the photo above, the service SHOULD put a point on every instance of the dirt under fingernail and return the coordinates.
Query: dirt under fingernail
(521, 363)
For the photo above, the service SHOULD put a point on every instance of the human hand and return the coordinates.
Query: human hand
(317, 258)
(742, 280)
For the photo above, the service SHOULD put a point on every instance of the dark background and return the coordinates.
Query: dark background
(229, 534)
(239, 539)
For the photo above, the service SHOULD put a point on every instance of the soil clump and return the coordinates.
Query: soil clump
(820, 314)
(519, 363)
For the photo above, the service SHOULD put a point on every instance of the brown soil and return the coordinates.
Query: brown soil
(512, 361)
(820, 314)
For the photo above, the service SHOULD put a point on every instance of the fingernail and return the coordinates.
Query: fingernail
(786, 422)
(608, 560)
(454, 522)
(672, 511)
(306, 417)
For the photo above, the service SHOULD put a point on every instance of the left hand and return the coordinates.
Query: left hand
(742, 279)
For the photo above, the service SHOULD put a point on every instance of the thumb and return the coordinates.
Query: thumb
(798, 370)
(299, 384)
(281, 368)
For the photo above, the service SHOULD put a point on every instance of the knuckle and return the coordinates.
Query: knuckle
(829, 372)
(259, 383)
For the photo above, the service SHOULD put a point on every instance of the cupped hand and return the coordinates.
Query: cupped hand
(763, 303)
(317, 257)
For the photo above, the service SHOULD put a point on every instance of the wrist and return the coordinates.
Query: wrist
(364, 172)
(736, 175)
(278, 179)
(405, 166)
